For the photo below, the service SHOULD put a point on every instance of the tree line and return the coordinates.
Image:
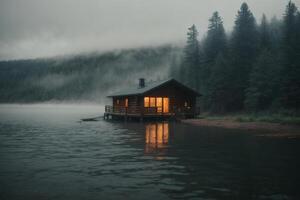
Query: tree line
(256, 67)
(85, 77)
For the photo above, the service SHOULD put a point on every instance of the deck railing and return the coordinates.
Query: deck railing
(108, 109)
(129, 110)
(146, 110)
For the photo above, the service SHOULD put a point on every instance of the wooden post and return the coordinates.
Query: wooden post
(142, 113)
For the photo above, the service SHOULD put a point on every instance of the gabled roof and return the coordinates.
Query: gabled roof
(150, 86)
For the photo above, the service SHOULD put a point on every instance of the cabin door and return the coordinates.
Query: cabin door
(166, 105)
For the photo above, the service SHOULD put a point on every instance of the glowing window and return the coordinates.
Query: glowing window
(152, 101)
(146, 102)
(158, 101)
(159, 104)
(126, 102)
(166, 105)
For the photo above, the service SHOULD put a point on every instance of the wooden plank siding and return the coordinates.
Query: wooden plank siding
(182, 101)
(177, 98)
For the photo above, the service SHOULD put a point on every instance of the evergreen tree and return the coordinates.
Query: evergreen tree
(244, 44)
(263, 82)
(190, 65)
(219, 93)
(264, 31)
(214, 45)
(264, 77)
(275, 33)
(290, 85)
(215, 42)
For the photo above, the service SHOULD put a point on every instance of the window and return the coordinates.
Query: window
(152, 101)
(159, 104)
(118, 101)
(166, 105)
(126, 102)
(146, 102)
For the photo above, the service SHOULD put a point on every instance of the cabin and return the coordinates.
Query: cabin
(157, 99)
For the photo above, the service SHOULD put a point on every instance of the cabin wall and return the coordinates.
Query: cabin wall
(132, 101)
(177, 97)
(121, 101)
(133, 104)
(181, 100)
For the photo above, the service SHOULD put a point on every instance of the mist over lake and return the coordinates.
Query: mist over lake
(139, 99)
(47, 154)
(85, 77)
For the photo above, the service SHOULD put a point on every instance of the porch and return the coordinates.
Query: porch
(143, 112)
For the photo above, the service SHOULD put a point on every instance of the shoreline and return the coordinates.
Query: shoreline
(272, 129)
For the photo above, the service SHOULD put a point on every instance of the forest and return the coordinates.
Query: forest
(254, 67)
(83, 78)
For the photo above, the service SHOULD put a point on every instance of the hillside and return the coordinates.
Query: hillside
(88, 77)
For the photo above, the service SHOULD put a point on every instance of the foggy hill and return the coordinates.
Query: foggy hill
(88, 77)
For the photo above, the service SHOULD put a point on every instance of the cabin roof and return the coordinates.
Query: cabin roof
(134, 90)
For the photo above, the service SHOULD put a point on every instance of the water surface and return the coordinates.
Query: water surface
(45, 153)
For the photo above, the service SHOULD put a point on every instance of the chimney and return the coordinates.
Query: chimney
(141, 82)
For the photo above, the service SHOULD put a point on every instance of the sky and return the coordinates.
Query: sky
(47, 28)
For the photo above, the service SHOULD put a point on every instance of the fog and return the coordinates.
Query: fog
(46, 28)
(88, 77)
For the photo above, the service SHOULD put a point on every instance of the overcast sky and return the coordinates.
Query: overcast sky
(43, 28)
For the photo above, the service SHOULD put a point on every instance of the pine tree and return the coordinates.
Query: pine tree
(263, 88)
(264, 31)
(290, 85)
(219, 93)
(215, 42)
(190, 65)
(244, 44)
(214, 45)
(264, 77)
(275, 33)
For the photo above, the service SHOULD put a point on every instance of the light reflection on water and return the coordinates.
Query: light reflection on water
(156, 137)
(46, 154)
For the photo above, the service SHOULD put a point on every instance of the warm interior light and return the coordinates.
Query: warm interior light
(166, 105)
(152, 101)
(159, 104)
(146, 102)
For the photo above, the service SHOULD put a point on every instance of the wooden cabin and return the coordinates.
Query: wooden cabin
(164, 99)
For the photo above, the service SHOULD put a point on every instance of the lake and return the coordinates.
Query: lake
(46, 153)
